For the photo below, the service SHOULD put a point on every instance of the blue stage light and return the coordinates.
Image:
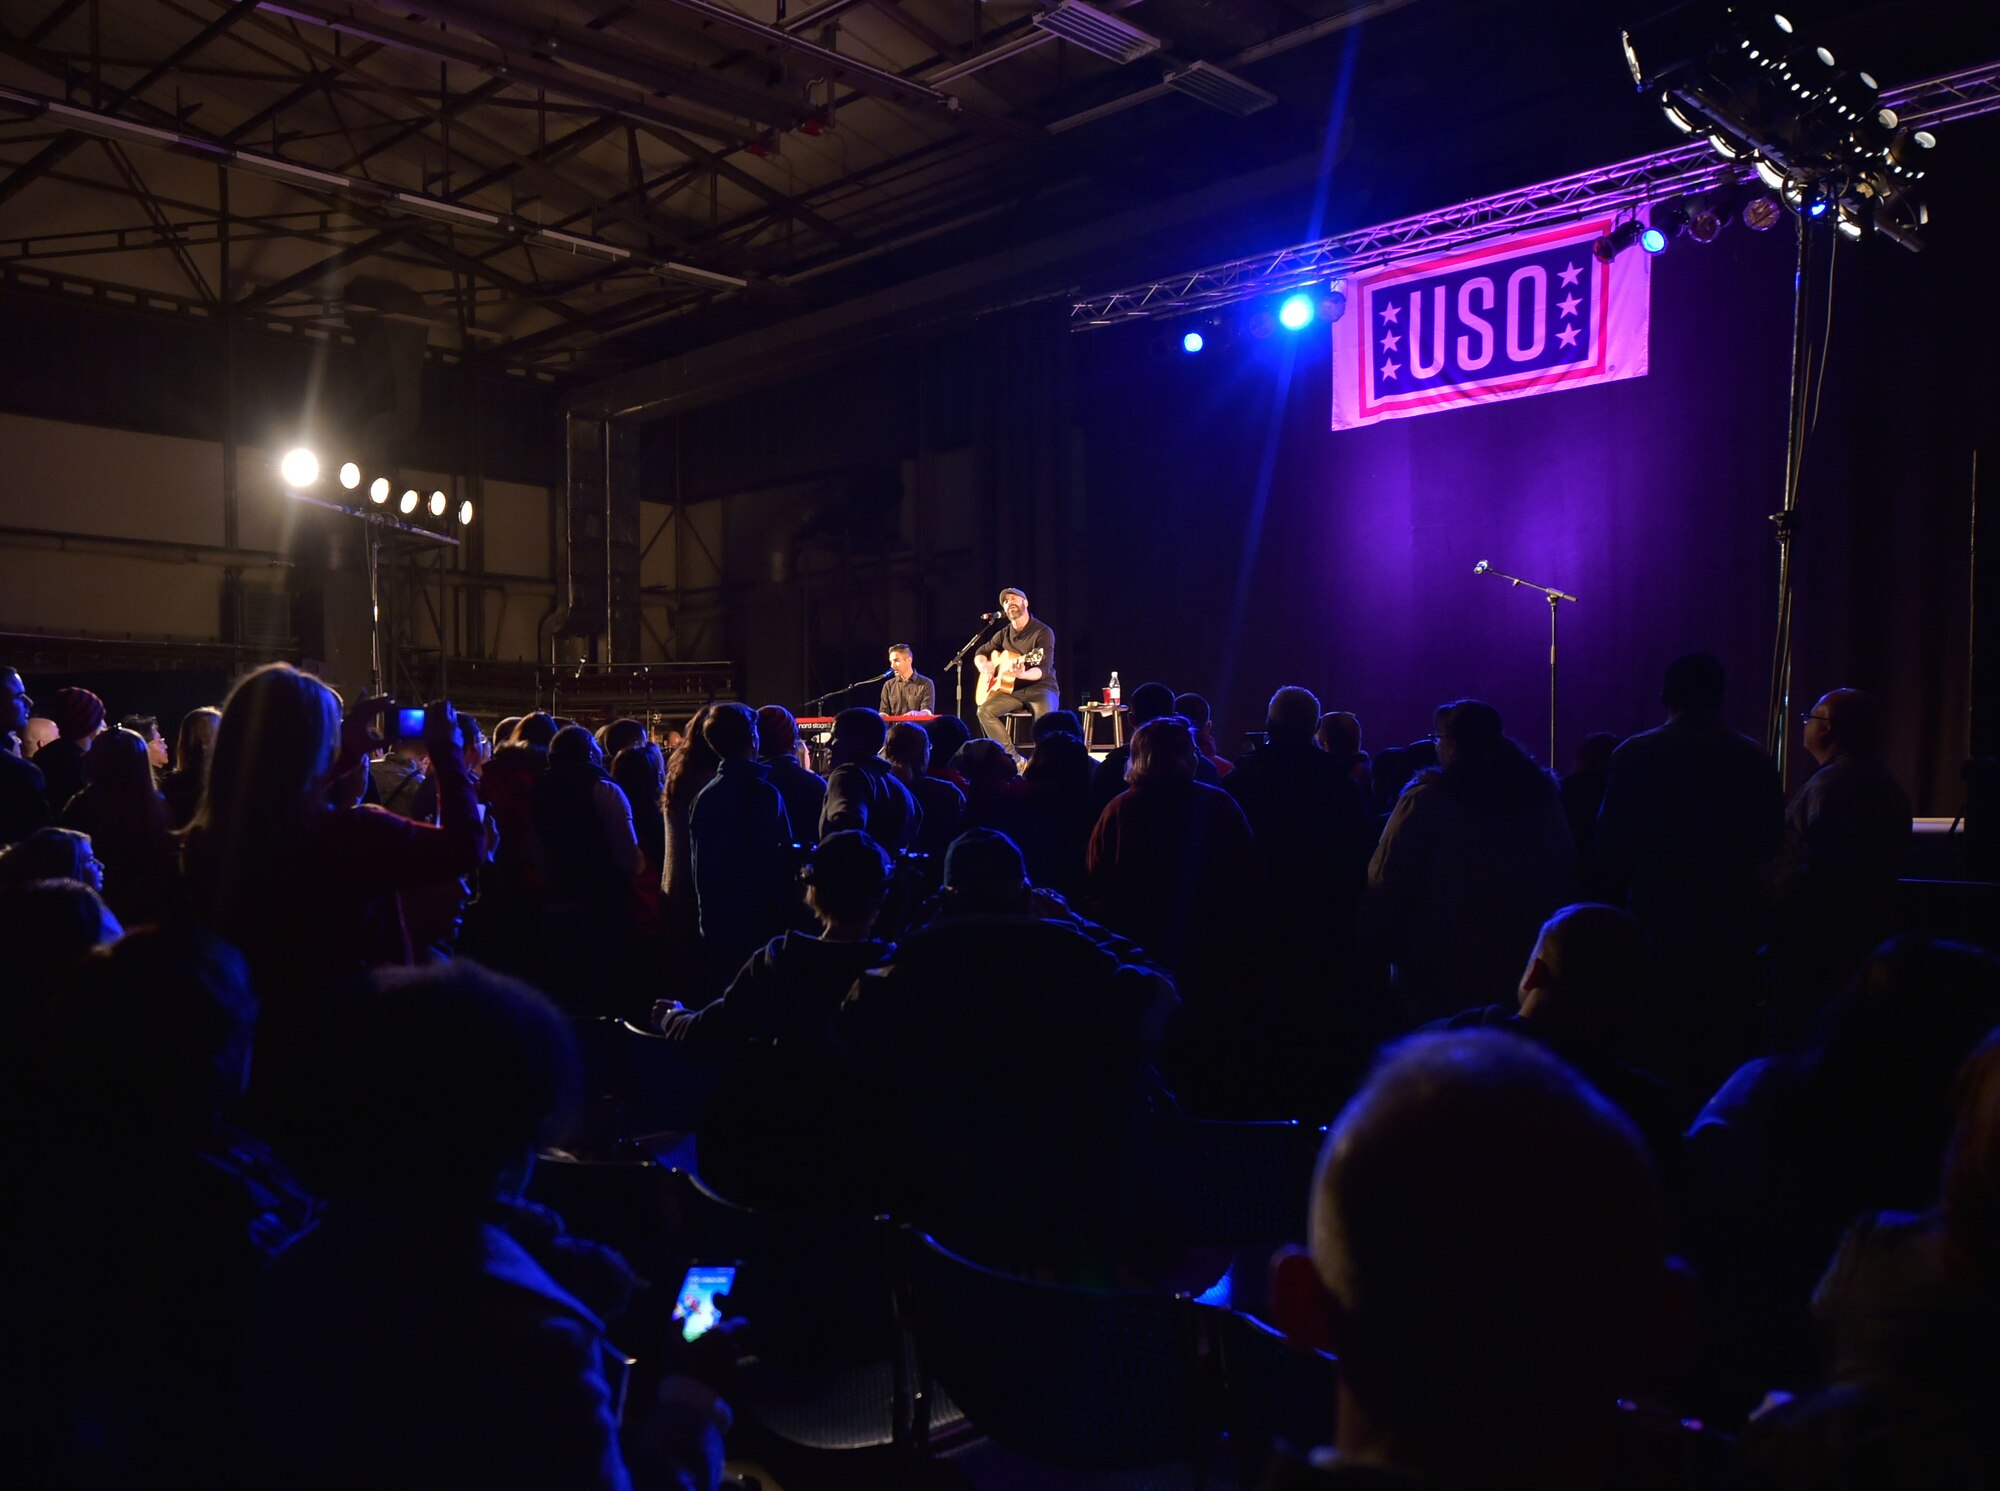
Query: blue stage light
(1653, 241)
(1817, 207)
(1192, 342)
(1296, 313)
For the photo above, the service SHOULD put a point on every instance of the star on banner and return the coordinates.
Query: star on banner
(1391, 312)
(1570, 272)
(1391, 342)
(1568, 304)
(1567, 336)
(1389, 369)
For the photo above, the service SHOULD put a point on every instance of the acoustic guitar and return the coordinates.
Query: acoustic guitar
(998, 677)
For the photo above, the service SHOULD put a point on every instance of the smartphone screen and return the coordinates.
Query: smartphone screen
(695, 1307)
(410, 724)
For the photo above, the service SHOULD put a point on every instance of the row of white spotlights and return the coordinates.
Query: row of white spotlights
(300, 470)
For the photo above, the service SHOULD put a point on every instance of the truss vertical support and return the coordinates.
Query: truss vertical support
(586, 518)
(624, 461)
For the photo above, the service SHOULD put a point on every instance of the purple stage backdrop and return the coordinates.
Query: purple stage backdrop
(1273, 550)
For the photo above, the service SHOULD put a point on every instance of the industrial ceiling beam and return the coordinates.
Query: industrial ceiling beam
(57, 151)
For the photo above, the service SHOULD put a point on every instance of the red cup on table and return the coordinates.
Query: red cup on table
(1107, 696)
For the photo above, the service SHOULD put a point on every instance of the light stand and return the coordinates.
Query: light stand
(375, 523)
(1777, 713)
(1555, 598)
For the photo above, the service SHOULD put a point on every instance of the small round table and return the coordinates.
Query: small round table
(1115, 713)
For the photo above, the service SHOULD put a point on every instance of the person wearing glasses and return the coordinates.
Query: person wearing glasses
(1847, 836)
(24, 803)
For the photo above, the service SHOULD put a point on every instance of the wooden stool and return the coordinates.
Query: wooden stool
(1115, 713)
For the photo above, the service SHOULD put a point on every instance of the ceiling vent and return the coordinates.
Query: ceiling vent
(1219, 89)
(1105, 35)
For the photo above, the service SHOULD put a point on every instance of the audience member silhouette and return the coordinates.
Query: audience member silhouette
(908, 752)
(1050, 813)
(52, 854)
(1583, 795)
(1794, 1146)
(193, 745)
(783, 1126)
(1692, 813)
(1847, 837)
(1339, 735)
(1194, 709)
(690, 768)
(307, 890)
(620, 735)
(1591, 973)
(1171, 861)
(1313, 829)
(1475, 857)
(126, 819)
(1148, 702)
(803, 789)
(740, 848)
(641, 774)
(434, 1088)
(1488, 1318)
(862, 792)
(24, 805)
(79, 717)
(1011, 1103)
(158, 1215)
(948, 733)
(1912, 1301)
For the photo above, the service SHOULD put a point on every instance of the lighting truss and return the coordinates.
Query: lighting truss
(1686, 170)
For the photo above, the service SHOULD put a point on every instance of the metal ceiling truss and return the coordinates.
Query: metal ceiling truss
(1685, 171)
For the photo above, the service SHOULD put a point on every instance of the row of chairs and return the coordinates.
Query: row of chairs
(865, 1335)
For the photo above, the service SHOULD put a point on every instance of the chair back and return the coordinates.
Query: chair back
(815, 1290)
(1226, 1183)
(626, 1204)
(1078, 1377)
(1272, 1391)
(661, 1087)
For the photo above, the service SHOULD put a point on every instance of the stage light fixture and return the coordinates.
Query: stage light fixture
(299, 468)
(1769, 174)
(1192, 342)
(1652, 240)
(438, 504)
(1614, 243)
(378, 490)
(409, 503)
(1706, 219)
(1761, 214)
(1333, 304)
(465, 513)
(1296, 313)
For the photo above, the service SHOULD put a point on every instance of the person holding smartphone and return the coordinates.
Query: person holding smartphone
(285, 867)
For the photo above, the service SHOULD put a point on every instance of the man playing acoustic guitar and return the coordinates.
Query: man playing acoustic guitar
(1017, 669)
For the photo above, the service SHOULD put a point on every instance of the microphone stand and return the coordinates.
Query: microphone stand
(957, 663)
(1555, 597)
(821, 699)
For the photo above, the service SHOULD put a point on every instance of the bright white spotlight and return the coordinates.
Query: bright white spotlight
(350, 475)
(299, 468)
(465, 513)
(1193, 341)
(378, 490)
(1296, 313)
(438, 504)
(409, 502)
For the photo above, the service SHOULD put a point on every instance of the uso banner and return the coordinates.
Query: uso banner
(1520, 316)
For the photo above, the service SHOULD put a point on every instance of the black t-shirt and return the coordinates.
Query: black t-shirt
(1035, 634)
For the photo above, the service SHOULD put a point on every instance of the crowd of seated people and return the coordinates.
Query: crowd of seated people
(292, 1011)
